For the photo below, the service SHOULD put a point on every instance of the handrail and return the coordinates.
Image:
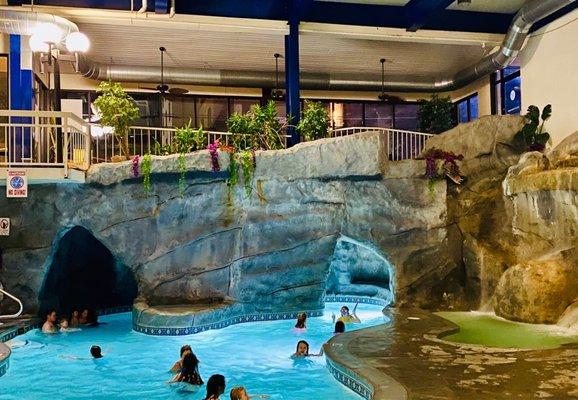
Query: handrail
(19, 313)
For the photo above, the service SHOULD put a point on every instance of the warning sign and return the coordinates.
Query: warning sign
(4, 226)
(16, 183)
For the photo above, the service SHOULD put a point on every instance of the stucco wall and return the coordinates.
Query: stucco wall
(549, 65)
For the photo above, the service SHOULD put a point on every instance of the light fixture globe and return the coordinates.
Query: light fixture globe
(49, 33)
(77, 42)
(37, 45)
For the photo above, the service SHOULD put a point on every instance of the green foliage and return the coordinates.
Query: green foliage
(435, 115)
(188, 139)
(162, 149)
(532, 136)
(117, 109)
(146, 170)
(248, 165)
(314, 122)
(257, 129)
(182, 165)
(233, 171)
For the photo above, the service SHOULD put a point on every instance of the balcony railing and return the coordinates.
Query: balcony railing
(60, 139)
(44, 139)
(402, 145)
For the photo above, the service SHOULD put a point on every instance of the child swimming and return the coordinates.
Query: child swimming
(302, 350)
(301, 318)
(189, 372)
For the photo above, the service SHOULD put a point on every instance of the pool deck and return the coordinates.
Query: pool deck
(405, 359)
(9, 330)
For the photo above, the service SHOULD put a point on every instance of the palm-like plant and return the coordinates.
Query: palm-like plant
(532, 136)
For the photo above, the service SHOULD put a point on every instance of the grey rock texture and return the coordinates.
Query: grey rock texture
(268, 252)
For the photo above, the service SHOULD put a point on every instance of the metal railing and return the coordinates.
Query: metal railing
(44, 139)
(144, 139)
(21, 307)
(402, 145)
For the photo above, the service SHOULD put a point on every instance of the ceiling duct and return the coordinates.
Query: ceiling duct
(22, 22)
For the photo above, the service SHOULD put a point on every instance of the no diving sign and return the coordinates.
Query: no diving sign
(16, 183)
(4, 226)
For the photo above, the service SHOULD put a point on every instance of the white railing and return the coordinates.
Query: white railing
(44, 139)
(402, 145)
(21, 307)
(144, 139)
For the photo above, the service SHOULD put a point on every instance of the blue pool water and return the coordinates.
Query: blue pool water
(254, 355)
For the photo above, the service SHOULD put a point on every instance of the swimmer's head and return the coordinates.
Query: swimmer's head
(95, 352)
(302, 348)
(345, 311)
(185, 350)
(301, 318)
(239, 393)
(51, 316)
(63, 323)
(339, 327)
(84, 313)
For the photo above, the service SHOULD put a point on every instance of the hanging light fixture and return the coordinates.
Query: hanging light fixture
(77, 42)
(277, 93)
(382, 96)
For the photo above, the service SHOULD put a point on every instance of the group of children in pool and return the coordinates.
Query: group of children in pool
(187, 367)
(77, 318)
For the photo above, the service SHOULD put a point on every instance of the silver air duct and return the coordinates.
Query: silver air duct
(532, 12)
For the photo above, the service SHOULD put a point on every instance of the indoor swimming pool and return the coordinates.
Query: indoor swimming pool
(135, 366)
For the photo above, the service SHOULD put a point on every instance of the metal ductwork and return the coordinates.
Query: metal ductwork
(532, 12)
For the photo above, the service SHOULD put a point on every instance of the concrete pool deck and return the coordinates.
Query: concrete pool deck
(400, 360)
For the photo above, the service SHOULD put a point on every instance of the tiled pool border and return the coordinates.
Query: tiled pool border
(350, 379)
(238, 319)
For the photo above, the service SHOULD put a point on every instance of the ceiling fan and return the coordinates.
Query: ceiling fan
(162, 88)
(277, 94)
(387, 98)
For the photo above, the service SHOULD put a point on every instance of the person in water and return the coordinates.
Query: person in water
(189, 372)
(49, 325)
(240, 393)
(96, 352)
(186, 349)
(74, 319)
(339, 328)
(215, 387)
(348, 318)
(63, 325)
(302, 350)
(301, 318)
(83, 317)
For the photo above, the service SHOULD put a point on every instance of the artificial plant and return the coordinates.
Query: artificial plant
(259, 128)
(435, 115)
(440, 164)
(532, 136)
(118, 110)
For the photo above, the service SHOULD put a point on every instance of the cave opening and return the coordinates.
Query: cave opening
(82, 273)
(358, 269)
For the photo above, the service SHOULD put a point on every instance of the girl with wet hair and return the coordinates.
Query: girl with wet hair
(215, 387)
(189, 371)
(302, 350)
(301, 318)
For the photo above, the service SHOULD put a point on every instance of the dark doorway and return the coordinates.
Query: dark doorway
(83, 273)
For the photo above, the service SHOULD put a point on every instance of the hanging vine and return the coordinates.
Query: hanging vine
(182, 165)
(247, 159)
(146, 169)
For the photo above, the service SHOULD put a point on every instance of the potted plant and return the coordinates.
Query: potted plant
(118, 110)
(532, 136)
(435, 115)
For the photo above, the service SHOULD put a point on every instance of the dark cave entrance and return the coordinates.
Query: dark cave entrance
(82, 273)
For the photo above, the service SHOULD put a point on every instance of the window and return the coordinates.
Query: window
(406, 117)
(467, 108)
(506, 91)
(379, 115)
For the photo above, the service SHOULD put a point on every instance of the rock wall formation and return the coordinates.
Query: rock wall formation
(269, 251)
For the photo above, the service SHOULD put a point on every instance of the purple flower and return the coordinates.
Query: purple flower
(135, 166)
(213, 147)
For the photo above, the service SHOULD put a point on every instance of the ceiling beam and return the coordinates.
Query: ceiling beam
(419, 12)
(328, 12)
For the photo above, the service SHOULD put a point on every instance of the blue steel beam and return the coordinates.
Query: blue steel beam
(292, 102)
(419, 12)
(318, 11)
(161, 6)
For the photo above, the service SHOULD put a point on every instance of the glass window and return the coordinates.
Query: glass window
(212, 113)
(512, 96)
(242, 106)
(406, 117)
(379, 115)
(467, 109)
(182, 110)
(348, 114)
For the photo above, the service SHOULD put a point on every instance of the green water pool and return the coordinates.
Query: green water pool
(489, 330)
